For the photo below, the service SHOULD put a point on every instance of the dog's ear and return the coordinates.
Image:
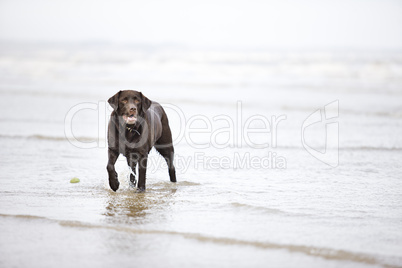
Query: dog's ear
(114, 100)
(146, 103)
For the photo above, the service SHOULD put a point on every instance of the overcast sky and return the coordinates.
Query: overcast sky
(366, 24)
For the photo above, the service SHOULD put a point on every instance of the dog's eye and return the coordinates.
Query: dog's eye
(136, 101)
(124, 101)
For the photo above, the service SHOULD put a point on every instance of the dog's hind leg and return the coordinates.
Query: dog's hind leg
(168, 154)
(164, 145)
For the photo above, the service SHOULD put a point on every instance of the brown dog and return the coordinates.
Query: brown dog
(136, 125)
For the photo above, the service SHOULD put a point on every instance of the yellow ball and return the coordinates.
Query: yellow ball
(74, 180)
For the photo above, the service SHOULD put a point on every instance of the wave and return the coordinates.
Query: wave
(322, 252)
(50, 138)
(85, 139)
(258, 208)
(370, 148)
(391, 114)
(39, 92)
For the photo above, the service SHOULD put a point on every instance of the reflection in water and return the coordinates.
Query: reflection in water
(128, 206)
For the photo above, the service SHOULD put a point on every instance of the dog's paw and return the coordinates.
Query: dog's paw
(140, 190)
(114, 184)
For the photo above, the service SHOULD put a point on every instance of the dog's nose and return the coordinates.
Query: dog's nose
(133, 109)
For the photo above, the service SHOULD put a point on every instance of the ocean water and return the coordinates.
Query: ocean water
(283, 159)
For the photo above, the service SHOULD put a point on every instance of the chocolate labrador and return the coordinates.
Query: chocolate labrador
(136, 125)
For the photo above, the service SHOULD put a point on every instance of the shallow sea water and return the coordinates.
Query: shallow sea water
(233, 206)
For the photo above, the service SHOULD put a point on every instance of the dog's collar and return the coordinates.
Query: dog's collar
(133, 130)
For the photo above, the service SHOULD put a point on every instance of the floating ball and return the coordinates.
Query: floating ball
(74, 180)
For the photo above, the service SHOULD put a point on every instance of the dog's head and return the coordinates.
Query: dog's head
(129, 104)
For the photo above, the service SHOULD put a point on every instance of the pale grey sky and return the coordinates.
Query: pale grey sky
(366, 24)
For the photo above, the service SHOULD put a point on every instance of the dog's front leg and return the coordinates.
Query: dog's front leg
(113, 181)
(142, 170)
(132, 160)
